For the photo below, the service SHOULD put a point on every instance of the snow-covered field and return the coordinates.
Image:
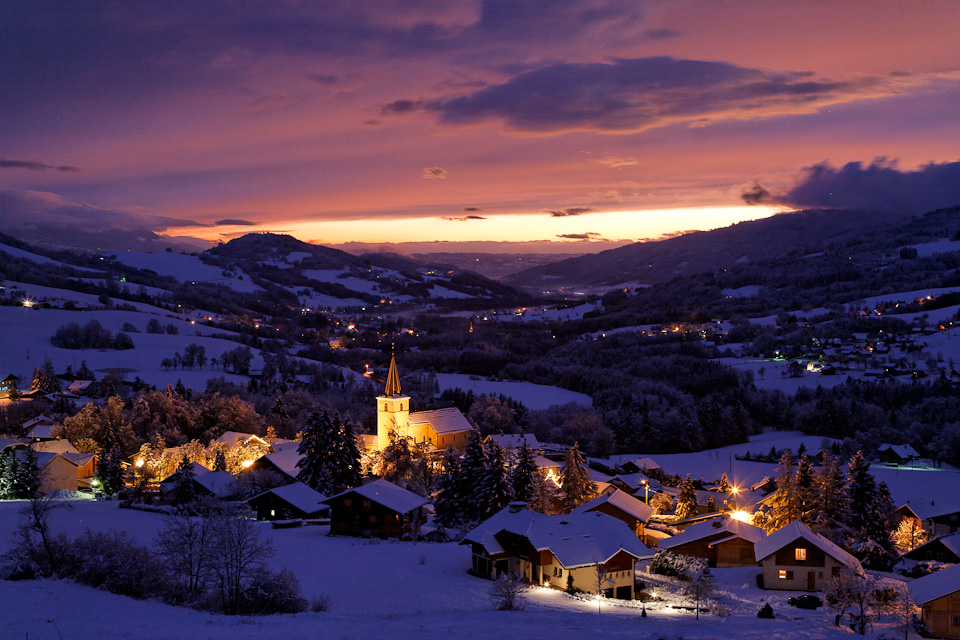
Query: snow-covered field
(185, 268)
(377, 589)
(533, 396)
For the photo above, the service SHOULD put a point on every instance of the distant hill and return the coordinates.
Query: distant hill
(702, 251)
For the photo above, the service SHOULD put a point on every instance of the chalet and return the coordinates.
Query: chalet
(56, 472)
(621, 506)
(41, 432)
(795, 558)
(235, 439)
(37, 420)
(170, 482)
(938, 596)
(79, 387)
(9, 383)
(939, 517)
(441, 429)
(288, 502)
(283, 462)
(635, 484)
(558, 551)
(943, 549)
(515, 441)
(897, 453)
(639, 465)
(722, 542)
(379, 509)
(86, 464)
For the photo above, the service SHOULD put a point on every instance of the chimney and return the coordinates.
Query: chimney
(516, 507)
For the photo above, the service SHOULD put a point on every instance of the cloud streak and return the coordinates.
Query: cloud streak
(435, 173)
(569, 211)
(36, 166)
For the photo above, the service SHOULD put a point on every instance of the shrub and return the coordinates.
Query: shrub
(766, 611)
(507, 592)
(674, 565)
(320, 604)
(113, 562)
(270, 592)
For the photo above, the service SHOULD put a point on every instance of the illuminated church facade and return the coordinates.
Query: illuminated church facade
(440, 429)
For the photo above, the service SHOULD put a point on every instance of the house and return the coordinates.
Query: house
(897, 453)
(9, 383)
(218, 484)
(797, 559)
(514, 441)
(86, 464)
(79, 387)
(440, 428)
(288, 502)
(56, 472)
(235, 439)
(37, 420)
(938, 596)
(283, 462)
(639, 465)
(939, 517)
(170, 482)
(558, 551)
(379, 509)
(622, 506)
(41, 432)
(722, 542)
(943, 549)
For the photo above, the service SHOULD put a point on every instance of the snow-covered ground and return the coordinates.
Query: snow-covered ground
(185, 268)
(37, 258)
(379, 589)
(533, 396)
(942, 245)
(743, 292)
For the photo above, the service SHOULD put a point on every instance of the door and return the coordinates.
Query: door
(811, 580)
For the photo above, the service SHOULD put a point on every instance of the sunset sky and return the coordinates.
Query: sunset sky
(501, 120)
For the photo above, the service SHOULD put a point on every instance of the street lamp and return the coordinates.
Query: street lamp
(646, 491)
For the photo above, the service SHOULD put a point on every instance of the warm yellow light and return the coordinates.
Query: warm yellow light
(735, 490)
(139, 462)
(742, 516)
(246, 463)
(28, 303)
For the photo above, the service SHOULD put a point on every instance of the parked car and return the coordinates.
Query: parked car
(805, 602)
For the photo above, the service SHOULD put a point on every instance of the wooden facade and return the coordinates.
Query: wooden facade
(937, 551)
(942, 616)
(353, 515)
(799, 566)
(269, 506)
(732, 552)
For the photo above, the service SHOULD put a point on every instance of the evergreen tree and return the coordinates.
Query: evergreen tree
(316, 449)
(449, 503)
(219, 461)
(785, 507)
(45, 379)
(184, 493)
(831, 502)
(473, 470)
(84, 372)
(541, 493)
(21, 475)
(687, 501)
(110, 458)
(871, 507)
(724, 484)
(495, 491)
(345, 469)
(522, 474)
(863, 491)
(8, 470)
(575, 480)
(805, 489)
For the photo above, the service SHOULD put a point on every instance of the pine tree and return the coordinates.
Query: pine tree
(724, 484)
(345, 470)
(863, 491)
(805, 489)
(7, 472)
(522, 474)
(575, 480)
(831, 502)
(316, 449)
(495, 490)
(449, 503)
(473, 470)
(870, 507)
(219, 461)
(84, 372)
(687, 501)
(541, 493)
(45, 379)
(110, 456)
(184, 493)
(785, 507)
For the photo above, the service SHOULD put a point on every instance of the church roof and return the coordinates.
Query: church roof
(449, 420)
(393, 379)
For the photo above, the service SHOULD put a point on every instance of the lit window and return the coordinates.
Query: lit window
(783, 574)
(800, 554)
(272, 513)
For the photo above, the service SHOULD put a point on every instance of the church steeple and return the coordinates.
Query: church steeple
(393, 379)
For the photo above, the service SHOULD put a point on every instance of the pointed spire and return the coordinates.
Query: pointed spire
(393, 379)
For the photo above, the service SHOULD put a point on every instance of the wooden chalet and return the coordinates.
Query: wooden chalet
(622, 506)
(938, 517)
(218, 484)
(943, 549)
(558, 551)
(938, 596)
(289, 502)
(897, 453)
(722, 542)
(9, 383)
(797, 559)
(379, 509)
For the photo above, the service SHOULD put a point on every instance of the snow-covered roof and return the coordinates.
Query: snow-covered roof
(546, 463)
(575, 539)
(951, 542)
(900, 450)
(644, 463)
(79, 385)
(42, 431)
(515, 440)
(386, 494)
(54, 446)
(197, 468)
(219, 483)
(10, 442)
(298, 495)
(733, 529)
(936, 585)
(780, 538)
(449, 420)
(286, 460)
(621, 500)
(235, 438)
(942, 505)
(636, 480)
(41, 419)
(79, 459)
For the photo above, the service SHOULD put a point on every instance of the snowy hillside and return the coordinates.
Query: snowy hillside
(533, 396)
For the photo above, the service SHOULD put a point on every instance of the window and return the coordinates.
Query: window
(800, 554)
(366, 504)
(558, 572)
(786, 575)
(272, 513)
(372, 518)
(348, 502)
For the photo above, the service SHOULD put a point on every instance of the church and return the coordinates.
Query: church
(441, 429)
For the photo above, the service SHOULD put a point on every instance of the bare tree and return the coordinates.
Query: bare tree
(237, 552)
(851, 590)
(601, 582)
(185, 544)
(507, 592)
(897, 602)
(34, 539)
(697, 583)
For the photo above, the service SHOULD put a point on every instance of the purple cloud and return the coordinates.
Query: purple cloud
(36, 166)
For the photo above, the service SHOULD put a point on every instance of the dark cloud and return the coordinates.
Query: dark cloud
(234, 222)
(756, 194)
(661, 34)
(569, 211)
(472, 209)
(323, 78)
(464, 218)
(879, 185)
(435, 173)
(635, 94)
(36, 166)
(401, 106)
(589, 235)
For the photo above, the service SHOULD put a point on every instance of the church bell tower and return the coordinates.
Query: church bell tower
(393, 409)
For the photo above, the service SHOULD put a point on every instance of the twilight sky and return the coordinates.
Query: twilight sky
(503, 120)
